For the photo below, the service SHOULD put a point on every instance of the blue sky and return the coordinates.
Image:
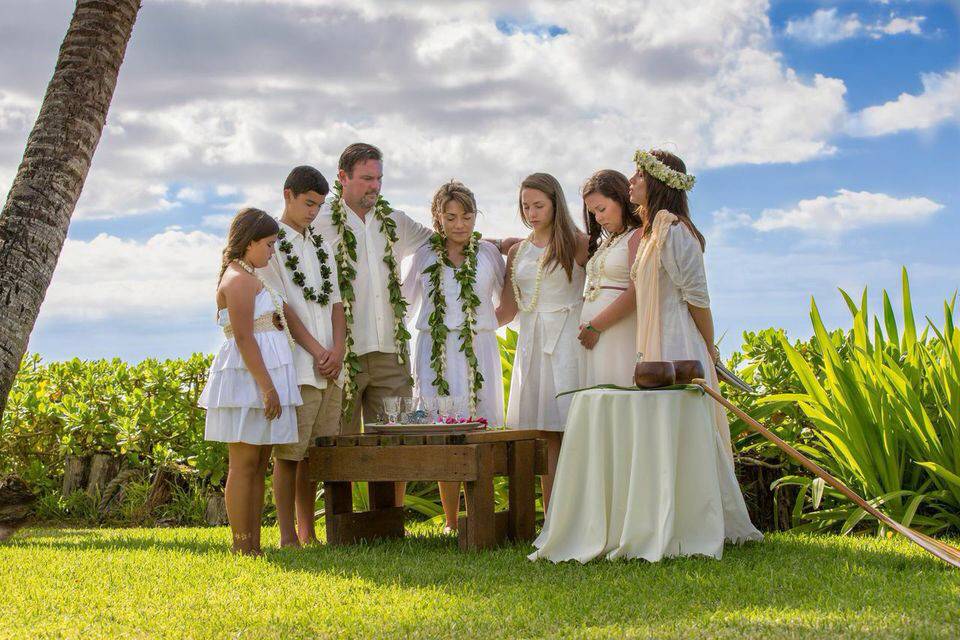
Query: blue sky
(824, 136)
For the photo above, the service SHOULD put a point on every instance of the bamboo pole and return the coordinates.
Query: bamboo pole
(945, 552)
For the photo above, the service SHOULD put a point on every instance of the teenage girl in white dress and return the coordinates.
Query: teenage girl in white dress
(543, 289)
(251, 391)
(608, 322)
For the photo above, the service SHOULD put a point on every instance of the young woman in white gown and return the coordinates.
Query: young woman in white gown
(543, 290)
(608, 321)
(453, 286)
(251, 392)
(674, 321)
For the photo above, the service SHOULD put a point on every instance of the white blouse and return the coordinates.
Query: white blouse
(317, 319)
(682, 260)
(682, 281)
(489, 283)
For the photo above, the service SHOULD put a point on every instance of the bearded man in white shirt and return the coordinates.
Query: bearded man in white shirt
(370, 240)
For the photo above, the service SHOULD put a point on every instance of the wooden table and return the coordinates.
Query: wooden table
(472, 458)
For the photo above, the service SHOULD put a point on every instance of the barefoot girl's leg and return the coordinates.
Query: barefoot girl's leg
(241, 477)
(450, 498)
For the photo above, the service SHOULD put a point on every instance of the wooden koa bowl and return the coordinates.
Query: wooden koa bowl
(688, 370)
(651, 374)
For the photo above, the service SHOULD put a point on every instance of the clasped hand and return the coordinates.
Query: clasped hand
(328, 362)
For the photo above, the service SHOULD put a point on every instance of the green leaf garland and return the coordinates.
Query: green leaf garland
(466, 276)
(292, 263)
(346, 264)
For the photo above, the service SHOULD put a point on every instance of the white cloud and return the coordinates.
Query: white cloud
(190, 194)
(218, 221)
(171, 274)
(226, 96)
(898, 25)
(846, 211)
(939, 102)
(826, 26)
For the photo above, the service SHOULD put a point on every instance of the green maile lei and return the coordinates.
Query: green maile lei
(292, 263)
(466, 276)
(346, 265)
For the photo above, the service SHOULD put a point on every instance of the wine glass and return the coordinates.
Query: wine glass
(431, 405)
(447, 407)
(391, 407)
(462, 407)
(407, 407)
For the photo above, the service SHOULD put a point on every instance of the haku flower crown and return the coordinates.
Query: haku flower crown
(672, 178)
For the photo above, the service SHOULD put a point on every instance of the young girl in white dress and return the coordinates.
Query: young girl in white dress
(453, 286)
(251, 391)
(544, 287)
(608, 322)
(673, 307)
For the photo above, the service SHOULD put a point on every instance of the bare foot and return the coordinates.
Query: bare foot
(292, 544)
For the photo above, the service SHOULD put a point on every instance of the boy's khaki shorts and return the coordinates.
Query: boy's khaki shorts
(319, 415)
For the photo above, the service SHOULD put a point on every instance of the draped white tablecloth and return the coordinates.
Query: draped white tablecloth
(642, 474)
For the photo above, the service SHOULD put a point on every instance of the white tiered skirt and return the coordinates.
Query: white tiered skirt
(232, 398)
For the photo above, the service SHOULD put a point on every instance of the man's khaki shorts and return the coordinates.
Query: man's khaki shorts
(381, 375)
(319, 415)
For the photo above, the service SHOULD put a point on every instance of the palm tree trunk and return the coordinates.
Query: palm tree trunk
(36, 216)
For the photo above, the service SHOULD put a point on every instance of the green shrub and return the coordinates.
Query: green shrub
(885, 410)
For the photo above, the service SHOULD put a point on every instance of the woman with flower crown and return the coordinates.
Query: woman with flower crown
(544, 287)
(673, 306)
(608, 321)
(251, 392)
(453, 286)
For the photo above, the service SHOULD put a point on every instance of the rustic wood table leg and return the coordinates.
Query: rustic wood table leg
(382, 494)
(337, 501)
(523, 498)
(481, 525)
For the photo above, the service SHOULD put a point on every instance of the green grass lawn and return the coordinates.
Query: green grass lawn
(182, 583)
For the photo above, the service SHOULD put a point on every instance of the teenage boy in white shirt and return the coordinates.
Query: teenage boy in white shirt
(304, 271)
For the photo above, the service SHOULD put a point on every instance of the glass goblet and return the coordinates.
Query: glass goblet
(391, 407)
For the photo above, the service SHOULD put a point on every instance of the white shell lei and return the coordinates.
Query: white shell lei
(274, 298)
(596, 265)
(536, 287)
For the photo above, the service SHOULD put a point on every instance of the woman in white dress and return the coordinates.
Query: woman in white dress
(453, 286)
(673, 306)
(608, 321)
(251, 391)
(544, 287)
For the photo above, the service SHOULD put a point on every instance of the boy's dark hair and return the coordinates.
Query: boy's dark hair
(355, 153)
(305, 178)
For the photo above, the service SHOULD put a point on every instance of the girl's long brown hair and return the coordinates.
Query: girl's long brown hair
(562, 249)
(613, 185)
(660, 196)
(249, 225)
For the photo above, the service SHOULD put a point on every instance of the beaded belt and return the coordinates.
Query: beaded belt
(266, 322)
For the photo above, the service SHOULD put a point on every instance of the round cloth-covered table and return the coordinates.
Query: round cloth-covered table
(642, 474)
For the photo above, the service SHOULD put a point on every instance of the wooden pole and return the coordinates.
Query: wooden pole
(945, 552)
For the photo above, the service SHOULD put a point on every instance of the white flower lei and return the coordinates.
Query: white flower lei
(651, 164)
(596, 266)
(536, 286)
(274, 298)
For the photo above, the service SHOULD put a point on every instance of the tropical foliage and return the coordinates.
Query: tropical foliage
(877, 405)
